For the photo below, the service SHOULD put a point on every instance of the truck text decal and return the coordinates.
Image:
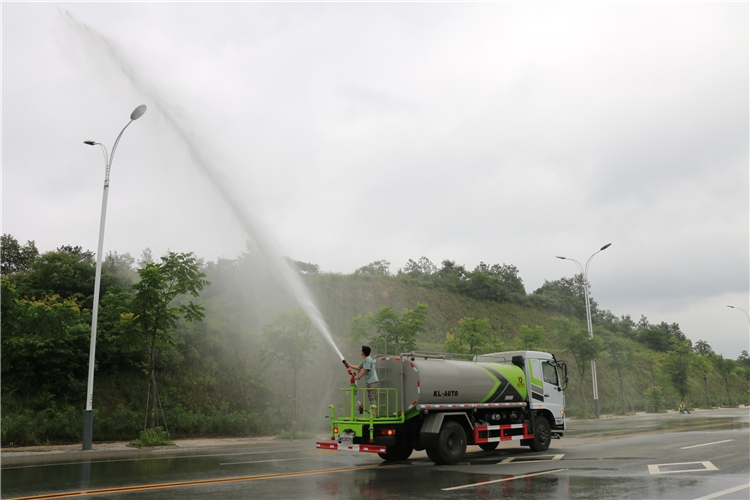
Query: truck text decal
(440, 394)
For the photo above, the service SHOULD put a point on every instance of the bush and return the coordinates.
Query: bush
(295, 434)
(153, 437)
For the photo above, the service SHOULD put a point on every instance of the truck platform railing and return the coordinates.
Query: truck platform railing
(357, 406)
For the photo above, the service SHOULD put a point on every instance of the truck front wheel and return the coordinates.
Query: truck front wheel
(489, 446)
(542, 434)
(452, 442)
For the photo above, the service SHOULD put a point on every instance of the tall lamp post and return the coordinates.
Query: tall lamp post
(88, 415)
(585, 273)
(741, 309)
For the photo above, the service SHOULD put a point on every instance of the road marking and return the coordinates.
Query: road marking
(725, 492)
(265, 461)
(705, 444)
(655, 469)
(182, 484)
(522, 476)
(529, 460)
(173, 457)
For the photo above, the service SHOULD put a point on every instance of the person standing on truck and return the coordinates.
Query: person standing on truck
(366, 370)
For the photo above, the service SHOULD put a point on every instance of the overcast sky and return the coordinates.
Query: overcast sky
(504, 133)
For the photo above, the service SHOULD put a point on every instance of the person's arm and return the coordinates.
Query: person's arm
(362, 372)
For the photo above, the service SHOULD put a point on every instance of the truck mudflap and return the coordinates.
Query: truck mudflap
(501, 433)
(333, 445)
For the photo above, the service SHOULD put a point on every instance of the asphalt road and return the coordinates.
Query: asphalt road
(704, 455)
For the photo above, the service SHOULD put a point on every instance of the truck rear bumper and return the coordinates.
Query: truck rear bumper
(333, 445)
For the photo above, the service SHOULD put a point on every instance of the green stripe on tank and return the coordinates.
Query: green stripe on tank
(494, 388)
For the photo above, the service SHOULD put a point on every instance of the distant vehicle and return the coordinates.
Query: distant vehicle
(441, 404)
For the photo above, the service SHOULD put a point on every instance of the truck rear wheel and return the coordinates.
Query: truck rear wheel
(489, 446)
(396, 453)
(542, 434)
(434, 455)
(452, 442)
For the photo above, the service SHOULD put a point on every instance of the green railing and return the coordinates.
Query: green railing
(385, 411)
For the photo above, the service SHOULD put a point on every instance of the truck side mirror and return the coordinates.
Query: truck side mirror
(518, 361)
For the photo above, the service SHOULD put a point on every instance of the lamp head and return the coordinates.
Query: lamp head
(605, 246)
(138, 112)
(90, 143)
(731, 307)
(559, 257)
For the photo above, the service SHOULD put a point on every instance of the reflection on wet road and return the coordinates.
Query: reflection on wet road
(660, 456)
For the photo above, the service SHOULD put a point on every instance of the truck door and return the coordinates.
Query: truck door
(553, 394)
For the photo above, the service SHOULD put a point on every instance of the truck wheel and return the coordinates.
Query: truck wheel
(452, 442)
(489, 446)
(397, 453)
(434, 455)
(542, 434)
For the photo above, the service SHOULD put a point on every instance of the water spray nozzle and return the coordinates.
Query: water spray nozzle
(344, 361)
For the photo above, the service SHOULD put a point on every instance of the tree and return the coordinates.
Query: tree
(658, 337)
(178, 274)
(702, 348)
(398, 333)
(529, 339)
(287, 338)
(497, 283)
(583, 348)
(377, 268)
(703, 367)
(16, 258)
(471, 337)
(677, 365)
(725, 367)
(421, 269)
(566, 296)
(621, 357)
(743, 365)
(44, 345)
(67, 272)
(303, 268)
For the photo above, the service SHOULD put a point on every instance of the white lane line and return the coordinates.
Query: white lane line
(265, 461)
(705, 444)
(503, 480)
(654, 469)
(725, 492)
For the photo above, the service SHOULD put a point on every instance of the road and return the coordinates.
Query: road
(704, 455)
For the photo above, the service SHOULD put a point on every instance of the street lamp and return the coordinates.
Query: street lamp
(741, 309)
(588, 317)
(88, 415)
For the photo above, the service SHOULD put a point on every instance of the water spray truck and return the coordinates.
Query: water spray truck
(442, 404)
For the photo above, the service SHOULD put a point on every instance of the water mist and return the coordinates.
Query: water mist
(264, 242)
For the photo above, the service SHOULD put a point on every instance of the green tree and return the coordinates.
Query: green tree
(529, 338)
(377, 268)
(566, 296)
(725, 367)
(703, 367)
(287, 338)
(398, 333)
(621, 357)
(583, 348)
(472, 337)
(14, 257)
(677, 365)
(702, 348)
(44, 346)
(177, 275)
(743, 365)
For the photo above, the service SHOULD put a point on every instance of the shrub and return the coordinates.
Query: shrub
(153, 437)
(654, 399)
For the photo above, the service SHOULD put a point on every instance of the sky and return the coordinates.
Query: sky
(355, 132)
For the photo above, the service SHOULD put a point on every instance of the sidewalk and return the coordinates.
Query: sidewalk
(40, 455)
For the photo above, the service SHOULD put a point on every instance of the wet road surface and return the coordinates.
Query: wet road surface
(703, 455)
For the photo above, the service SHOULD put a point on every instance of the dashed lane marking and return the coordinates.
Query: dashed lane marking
(725, 492)
(705, 444)
(656, 469)
(264, 461)
(521, 476)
